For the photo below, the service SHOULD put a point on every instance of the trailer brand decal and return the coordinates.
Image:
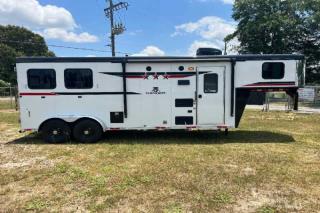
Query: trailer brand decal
(155, 91)
(154, 75)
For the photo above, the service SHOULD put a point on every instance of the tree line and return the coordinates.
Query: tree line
(17, 42)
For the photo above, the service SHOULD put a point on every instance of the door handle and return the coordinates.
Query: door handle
(200, 96)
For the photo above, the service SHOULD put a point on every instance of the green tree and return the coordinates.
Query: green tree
(280, 27)
(16, 42)
(7, 59)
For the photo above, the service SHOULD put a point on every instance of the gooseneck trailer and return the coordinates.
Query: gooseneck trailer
(84, 97)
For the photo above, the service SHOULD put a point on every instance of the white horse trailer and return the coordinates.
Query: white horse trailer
(84, 97)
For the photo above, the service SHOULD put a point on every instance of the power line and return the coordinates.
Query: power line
(61, 46)
(85, 49)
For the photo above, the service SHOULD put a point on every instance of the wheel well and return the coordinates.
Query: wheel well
(69, 123)
(52, 119)
(85, 118)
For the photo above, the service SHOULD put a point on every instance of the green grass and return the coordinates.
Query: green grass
(36, 205)
(270, 164)
(9, 118)
(6, 104)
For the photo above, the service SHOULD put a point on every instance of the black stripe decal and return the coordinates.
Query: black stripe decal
(274, 83)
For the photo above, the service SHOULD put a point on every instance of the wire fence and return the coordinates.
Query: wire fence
(308, 97)
(8, 98)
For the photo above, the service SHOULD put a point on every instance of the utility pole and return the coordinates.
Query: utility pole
(115, 28)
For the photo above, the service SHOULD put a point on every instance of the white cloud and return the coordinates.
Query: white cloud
(30, 13)
(151, 51)
(67, 36)
(42, 18)
(228, 1)
(211, 29)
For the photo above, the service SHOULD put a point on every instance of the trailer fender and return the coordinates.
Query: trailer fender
(103, 126)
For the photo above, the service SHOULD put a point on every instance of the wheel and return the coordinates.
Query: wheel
(87, 131)
(226, 132)
(56, 131)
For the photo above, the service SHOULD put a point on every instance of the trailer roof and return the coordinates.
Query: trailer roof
(158, 59)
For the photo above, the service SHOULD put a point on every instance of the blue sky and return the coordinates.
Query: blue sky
(154, 27)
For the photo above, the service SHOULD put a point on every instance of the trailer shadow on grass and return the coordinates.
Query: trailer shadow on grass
(174, 137)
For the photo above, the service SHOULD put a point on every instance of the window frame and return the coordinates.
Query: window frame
(270, 78)
(44, 69)
(73, 69)
(204, 83)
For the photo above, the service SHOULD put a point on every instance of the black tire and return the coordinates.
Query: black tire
(87, 131)
(56, 131)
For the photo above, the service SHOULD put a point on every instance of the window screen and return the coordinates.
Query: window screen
(41, 79)
(211, 83)
(273, 70)
(78, 78)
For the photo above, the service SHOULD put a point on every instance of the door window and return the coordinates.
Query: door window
(211, 83)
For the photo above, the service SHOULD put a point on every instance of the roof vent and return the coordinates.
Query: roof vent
(208, 51)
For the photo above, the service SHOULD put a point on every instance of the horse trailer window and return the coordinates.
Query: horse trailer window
(211, 83)
(273, 70)
(78, 78)
(41, 79)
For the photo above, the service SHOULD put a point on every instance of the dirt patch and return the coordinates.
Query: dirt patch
(258, 199)
(249, 171)
(8, 111)
(8, 133)
(38, 161)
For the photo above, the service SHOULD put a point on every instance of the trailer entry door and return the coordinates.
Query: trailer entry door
(211, 96)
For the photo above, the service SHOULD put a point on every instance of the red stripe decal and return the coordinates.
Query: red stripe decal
(37, 94)
(114, 129)
(191, 127)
